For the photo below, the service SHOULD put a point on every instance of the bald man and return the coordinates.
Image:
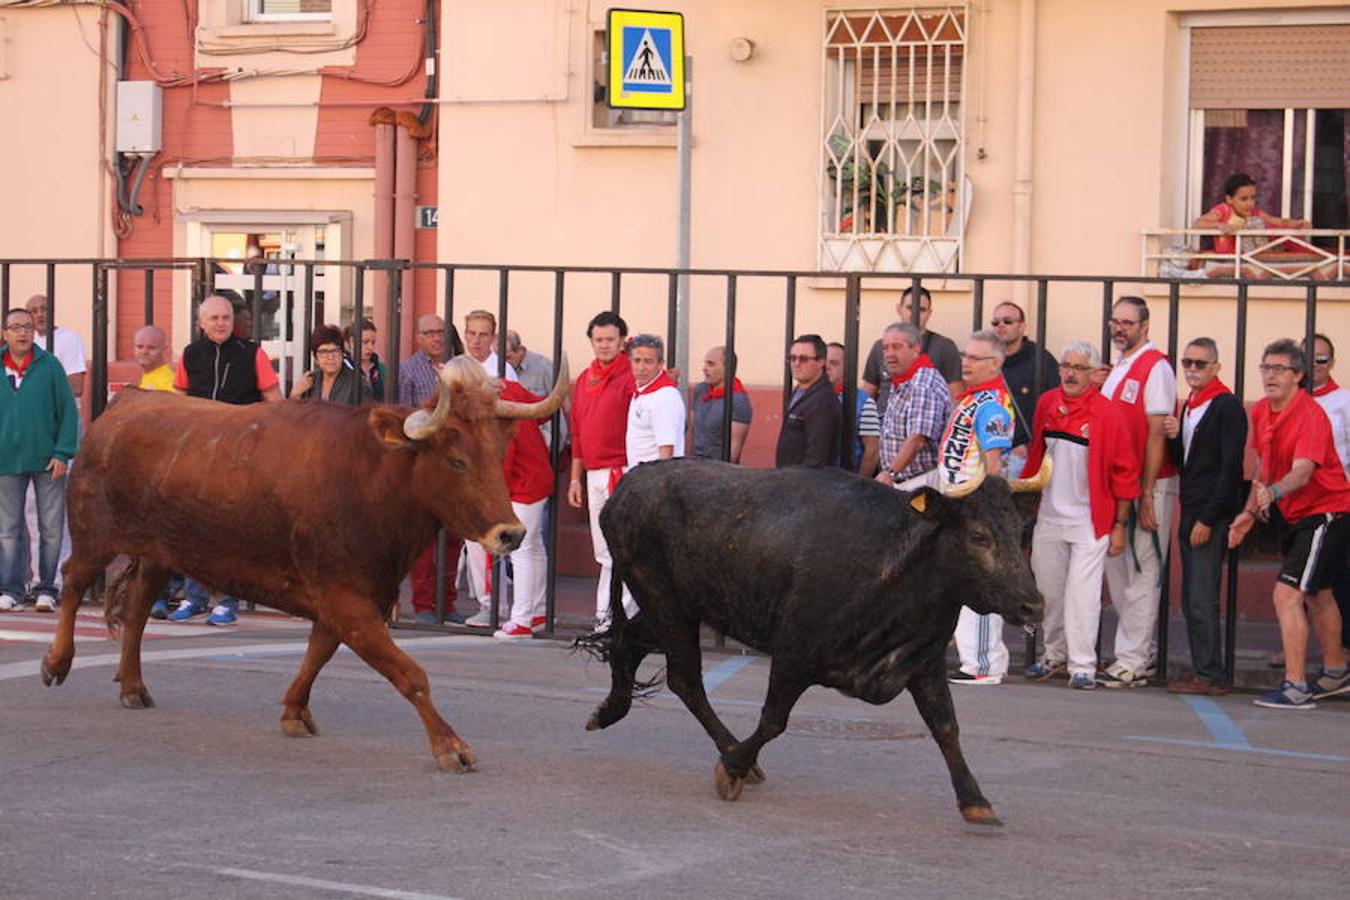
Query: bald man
(149, 347)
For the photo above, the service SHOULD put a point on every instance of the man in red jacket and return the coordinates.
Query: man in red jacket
(529, 478)
(599, 431)
(1083, 514)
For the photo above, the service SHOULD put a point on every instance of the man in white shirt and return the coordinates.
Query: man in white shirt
(656, 415)
(1143, 384)
(1335, 402)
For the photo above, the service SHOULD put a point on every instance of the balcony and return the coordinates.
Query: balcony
(1277, 255)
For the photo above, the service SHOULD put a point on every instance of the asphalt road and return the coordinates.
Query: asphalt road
(1135, 793)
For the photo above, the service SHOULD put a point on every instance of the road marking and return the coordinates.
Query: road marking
(1226, 734)
(323, 884)
(724, 670)
(10, 671)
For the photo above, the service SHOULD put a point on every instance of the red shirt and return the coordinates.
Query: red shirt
(528, 470)
(600, 415)
(1300, 431)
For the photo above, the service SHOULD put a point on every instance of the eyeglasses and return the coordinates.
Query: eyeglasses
(798, 360)
(1195, 363)
(1071, 367)
(1321, 360)
(1123, 323)
(1275, 369)
(432, 332)
(328, 351)
(20, 329)
(1004, 321)
(970, 357)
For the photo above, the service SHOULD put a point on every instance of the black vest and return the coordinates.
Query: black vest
(225, 372)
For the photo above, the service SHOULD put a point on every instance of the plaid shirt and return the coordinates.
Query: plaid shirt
(921, 405)
(417, 380)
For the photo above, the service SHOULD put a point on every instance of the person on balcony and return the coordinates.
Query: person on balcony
(1238, 212)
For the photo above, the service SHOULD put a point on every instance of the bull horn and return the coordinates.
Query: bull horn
(542, 409)
(1036, 482)
(957, 491)
(423, 424)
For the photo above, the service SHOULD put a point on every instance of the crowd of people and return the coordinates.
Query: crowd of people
(1129, 462)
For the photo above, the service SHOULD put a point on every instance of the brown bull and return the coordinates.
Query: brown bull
(316, 509)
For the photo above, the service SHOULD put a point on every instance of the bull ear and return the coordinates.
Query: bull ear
(927, 502)
(388, 427)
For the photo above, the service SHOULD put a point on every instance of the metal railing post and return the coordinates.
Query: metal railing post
(614, 291)
(672, 326)
(149, 296)
(555, 456)
(728, 368)
(789, 332)
(51, 306)
(1164, 627)
(1235, 555)
(98, 401)
(258, 269)
(848, 424)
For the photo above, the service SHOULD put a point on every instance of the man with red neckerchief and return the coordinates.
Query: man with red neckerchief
(1335, 402)
(656, 413)
(1301, 475)
(1206, 441)
(1143, 384)
(979, 434)
(709, 404)
(599, 434)
(919, 408)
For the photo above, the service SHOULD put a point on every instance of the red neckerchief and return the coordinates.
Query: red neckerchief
(1263, 441)
(994, 384)
(923, 362)
(1325, 389)
(21, 368)
(599, 374)
(720, 391)
(1207, 393)
(660, 381)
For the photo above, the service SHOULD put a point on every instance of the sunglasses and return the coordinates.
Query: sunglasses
(793, 358)
(1194, 363)
(1321, 360)
(1003, 321)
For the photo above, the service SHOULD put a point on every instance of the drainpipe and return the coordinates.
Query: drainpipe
(405, 212)
(1023, 152)
(383, 247)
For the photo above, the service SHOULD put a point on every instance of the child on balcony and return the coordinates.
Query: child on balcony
(1238, 212)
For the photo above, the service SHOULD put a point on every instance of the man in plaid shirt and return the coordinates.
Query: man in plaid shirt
(918, 410)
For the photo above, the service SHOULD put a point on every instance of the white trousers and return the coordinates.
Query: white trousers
(597, 494)
(529, 563)
(1134, 579)
(979, 641)
(1067, 562)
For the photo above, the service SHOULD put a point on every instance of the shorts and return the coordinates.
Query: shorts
(1314, 548)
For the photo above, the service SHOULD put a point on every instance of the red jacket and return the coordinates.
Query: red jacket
(1113, 464)
(600, 416)
(528, 471)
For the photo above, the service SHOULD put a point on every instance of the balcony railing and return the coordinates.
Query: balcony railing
(1274, 254)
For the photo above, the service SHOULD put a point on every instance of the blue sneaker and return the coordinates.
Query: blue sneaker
(1046, 669)
(160, 610)
(1288, 695)
(1082, 681)
(222, 615)
(186, 610)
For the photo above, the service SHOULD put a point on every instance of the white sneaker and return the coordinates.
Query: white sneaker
(7, 602)
(480, 619)
(45, 603)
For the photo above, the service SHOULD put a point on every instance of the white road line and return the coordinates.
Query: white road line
(10, 671)
(322, 884)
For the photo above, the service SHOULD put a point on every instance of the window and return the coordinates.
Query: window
(1269, 101)
(289, 10)
(602, 116)
(891, 139)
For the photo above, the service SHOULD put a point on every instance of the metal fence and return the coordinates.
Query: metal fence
(675, 294)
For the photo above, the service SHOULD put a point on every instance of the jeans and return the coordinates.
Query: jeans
(51, 509)
(200, 598)
(1201, 568)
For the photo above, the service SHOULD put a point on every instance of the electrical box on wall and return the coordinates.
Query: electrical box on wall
(140, 116)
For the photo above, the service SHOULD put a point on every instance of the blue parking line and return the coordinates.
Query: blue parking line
(1210, 745)
(724, 670)
(1226, 734)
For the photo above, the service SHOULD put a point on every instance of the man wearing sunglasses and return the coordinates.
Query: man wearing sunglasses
(810, 433)
(1335, 402)
(39, 430)
(1009, 322)
(1300, 476)
(1206, 440)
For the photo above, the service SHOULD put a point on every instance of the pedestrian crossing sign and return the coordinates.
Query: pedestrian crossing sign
(646, 59)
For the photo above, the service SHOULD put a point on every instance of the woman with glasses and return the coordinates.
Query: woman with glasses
(333, 377)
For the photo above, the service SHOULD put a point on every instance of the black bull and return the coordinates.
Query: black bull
(844, 582)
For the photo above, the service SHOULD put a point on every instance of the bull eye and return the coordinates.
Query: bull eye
(981, 539)
(457, 464)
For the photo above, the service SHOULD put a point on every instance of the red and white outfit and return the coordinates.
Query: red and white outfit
(599, 433)
(1335, 402)
(529, 478)
(1095, 465)
(656, 419)
(1142, 384)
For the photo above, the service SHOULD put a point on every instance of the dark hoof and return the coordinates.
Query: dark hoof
(50, 676)
(460, 759)
(594, 723)
(728, 788)
(981, 815)
(300, 727)
(140, 699)
(755, 775)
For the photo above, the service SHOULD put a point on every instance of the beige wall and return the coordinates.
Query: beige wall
(55, 203)
(524, 179)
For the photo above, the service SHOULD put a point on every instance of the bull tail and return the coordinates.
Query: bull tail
(115, 598)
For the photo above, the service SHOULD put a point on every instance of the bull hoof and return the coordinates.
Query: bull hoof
(460, 759)
(755, 775)
(728, 788)
(981, 815)
(138, 699)
(594, 723)
(300, 727)
(51, 676)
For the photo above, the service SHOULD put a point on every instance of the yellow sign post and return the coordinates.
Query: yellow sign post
(646, 59)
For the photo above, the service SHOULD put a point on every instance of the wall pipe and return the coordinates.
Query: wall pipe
(405, 211)
(383, 239)
(1023, 155)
